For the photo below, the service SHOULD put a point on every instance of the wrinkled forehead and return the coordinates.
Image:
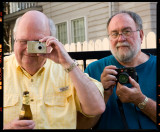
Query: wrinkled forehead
(34, 22)
(35, 18)
(120, 21)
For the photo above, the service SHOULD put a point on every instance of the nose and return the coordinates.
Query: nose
(121, 38)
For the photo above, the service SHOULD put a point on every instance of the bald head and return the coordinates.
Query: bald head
(33, 21)
(35, 17)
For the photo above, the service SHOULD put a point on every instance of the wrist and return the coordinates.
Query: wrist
(67, 62)
(143, 104)
(70, 66)
(139, 100)
(108, 91)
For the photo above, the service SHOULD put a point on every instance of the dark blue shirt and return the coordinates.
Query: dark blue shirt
(111, 118)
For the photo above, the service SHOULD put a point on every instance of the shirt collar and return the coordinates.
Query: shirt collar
(23, 71)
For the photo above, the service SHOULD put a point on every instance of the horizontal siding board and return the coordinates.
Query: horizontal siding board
(97, 14)
(73, 7)
(95, 23)
(104, 16)
(96, 34)
(98, 28)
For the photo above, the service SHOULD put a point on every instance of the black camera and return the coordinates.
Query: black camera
(124, 73)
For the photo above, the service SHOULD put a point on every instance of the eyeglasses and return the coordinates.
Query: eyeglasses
(22, 41)
(125, 33)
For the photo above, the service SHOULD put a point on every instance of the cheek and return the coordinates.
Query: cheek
(136, 43)
(113, 45)
(19, 49)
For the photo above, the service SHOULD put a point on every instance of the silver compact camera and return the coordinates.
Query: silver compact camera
(36, 47)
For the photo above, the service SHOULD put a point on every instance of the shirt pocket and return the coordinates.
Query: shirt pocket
(11, 107)
(57, 109)
(58, 98)
(10, 100)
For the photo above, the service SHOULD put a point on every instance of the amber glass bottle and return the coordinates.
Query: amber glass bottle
(26, 113)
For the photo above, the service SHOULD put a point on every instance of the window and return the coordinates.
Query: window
(78, 30)
(71, 31)
(61, 33)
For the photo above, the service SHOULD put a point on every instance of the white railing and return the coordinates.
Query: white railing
(149, 42)
(17, 6)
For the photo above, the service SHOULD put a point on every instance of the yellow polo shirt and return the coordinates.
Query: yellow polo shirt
(54, 103)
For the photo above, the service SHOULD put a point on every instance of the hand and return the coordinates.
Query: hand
(20, 124)
(58, 53)
(108, 79)
(130, 95)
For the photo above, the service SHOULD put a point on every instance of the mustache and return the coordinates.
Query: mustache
(122, 44)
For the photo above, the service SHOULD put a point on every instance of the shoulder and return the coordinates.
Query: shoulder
(153, 58)
(9, 59)
(103, 61)
(98, 66)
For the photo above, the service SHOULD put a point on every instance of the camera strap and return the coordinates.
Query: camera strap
(122, 113)
(137, 117)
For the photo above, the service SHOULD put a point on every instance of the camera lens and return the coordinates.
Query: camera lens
(123, 78)
(39, 47)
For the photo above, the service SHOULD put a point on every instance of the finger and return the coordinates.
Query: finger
(23, 123)
(133, 82)
(46, 38)
(29, 126)
(108, 77)
(110, 88)
(111, 67)
(108, 84)
(51, 39)
(107, 71)
(121, 87)
(54, 43)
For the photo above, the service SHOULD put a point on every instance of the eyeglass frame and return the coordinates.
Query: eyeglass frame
(21, 40)
(118, 34)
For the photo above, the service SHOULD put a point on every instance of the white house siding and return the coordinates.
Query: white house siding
(147, 10)
(97, 14)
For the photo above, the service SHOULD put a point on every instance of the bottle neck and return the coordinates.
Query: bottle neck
(26, 100)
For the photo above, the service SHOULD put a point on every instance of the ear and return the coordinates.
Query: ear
(141, 35)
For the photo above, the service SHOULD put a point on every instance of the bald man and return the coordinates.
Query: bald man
(58, 88)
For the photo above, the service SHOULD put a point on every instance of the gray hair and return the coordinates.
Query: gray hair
(137, 19)
(51, 26)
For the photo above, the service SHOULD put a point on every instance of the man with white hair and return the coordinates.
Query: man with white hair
(58, 88)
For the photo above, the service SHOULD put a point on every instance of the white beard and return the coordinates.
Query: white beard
(127, 53)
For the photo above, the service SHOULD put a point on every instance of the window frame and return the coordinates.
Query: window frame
(85, 28)
(66, 31)
(69, 28)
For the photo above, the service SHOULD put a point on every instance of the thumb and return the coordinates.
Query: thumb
(133, 82)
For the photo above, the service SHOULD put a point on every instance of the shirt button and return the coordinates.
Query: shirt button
(31, 80)
(32, 100)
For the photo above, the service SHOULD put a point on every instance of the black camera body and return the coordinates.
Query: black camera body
(124, 73)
